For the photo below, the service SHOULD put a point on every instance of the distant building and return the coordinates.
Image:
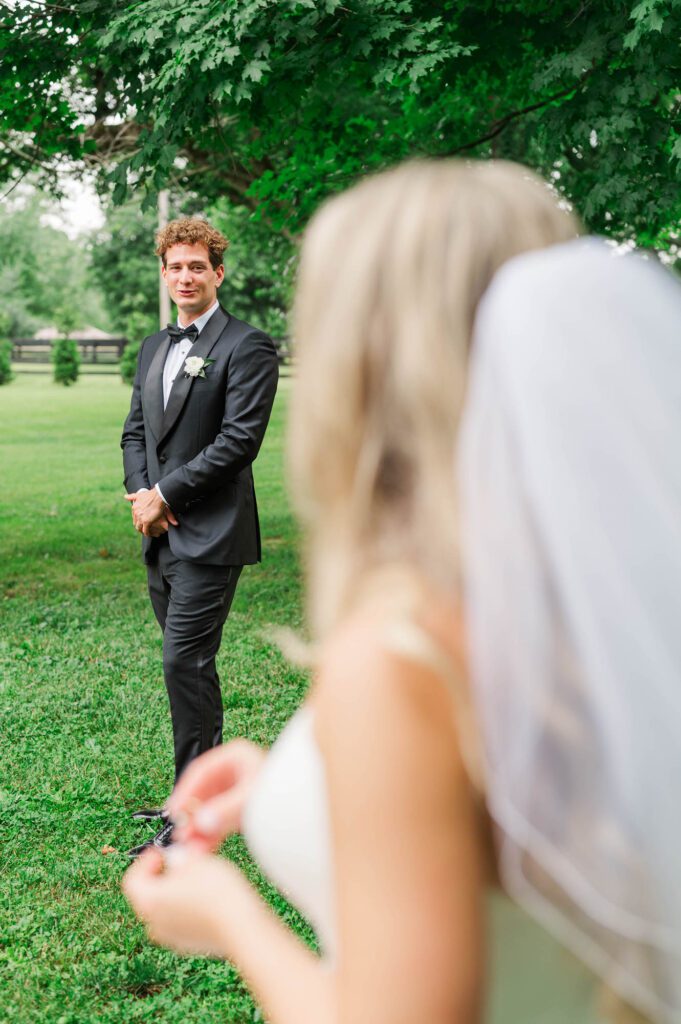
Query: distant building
(84, 334)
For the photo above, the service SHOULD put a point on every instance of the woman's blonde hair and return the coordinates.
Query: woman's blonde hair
(390, 278)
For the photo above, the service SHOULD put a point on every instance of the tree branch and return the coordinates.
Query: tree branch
(584, 6)
(14, 185)
(499, 126)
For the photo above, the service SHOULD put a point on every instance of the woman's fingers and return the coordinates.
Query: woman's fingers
(213, 820)
(212, 774)
(182, 907)
(205, 777)
(139, 879)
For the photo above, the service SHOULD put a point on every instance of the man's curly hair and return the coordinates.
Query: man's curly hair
(190, 231)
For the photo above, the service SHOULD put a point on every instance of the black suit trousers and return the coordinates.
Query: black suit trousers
(191, 603)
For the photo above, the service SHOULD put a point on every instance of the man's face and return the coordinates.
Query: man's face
(191, 280)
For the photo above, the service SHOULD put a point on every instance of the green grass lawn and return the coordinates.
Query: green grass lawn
(84, 722)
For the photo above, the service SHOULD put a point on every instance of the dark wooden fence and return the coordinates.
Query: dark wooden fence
(92, 350)
(101, 350)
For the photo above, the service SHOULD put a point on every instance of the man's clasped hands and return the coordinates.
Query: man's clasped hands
(206, 806)
(150, 514)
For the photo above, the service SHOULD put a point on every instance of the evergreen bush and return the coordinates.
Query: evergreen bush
(128, 363)
(137, 326)
(6, 374)
(66, 361)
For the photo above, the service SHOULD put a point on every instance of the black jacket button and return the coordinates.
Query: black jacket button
(163, 458)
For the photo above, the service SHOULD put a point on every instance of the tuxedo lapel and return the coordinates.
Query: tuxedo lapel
(183, 384)
(153, 389)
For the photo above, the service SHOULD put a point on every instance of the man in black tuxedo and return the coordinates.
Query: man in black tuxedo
(201, 401)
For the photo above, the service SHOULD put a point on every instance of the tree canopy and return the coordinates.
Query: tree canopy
(274, 104)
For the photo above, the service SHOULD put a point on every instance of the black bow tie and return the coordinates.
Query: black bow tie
(178, 333)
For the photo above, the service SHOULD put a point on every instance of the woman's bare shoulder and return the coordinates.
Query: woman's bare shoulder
(385, 661)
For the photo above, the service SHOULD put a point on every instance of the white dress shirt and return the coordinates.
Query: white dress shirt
(178, 352)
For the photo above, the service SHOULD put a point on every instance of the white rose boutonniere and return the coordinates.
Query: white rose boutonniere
(195, 366)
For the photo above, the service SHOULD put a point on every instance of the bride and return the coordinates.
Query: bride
(477, 677)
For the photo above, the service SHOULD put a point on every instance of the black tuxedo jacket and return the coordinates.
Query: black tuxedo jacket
(201, 448)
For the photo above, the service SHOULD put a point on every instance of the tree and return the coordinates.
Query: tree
(277, 103)
(47, 269)
(125, 269)
(259, 268)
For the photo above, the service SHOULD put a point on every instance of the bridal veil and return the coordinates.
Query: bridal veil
(570, 504)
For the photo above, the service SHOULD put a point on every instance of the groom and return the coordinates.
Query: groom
(201, 401)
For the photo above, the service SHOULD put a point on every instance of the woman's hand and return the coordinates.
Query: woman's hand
(203, 906)
(208, 801)
(183, 898)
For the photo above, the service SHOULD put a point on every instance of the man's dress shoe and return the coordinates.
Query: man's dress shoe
(150, 814)
(161, 840)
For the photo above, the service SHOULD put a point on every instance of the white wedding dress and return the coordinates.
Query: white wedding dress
(287, 829)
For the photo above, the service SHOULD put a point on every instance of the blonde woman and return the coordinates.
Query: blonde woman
(369, 810)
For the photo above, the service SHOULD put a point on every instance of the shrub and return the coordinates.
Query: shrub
(128, 363)
(66, 361)
(137, 327)
(6, 374)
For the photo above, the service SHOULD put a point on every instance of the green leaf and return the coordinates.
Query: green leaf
(153, 34)
(254, 70)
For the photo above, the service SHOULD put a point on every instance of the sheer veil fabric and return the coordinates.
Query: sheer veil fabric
(570, 503)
